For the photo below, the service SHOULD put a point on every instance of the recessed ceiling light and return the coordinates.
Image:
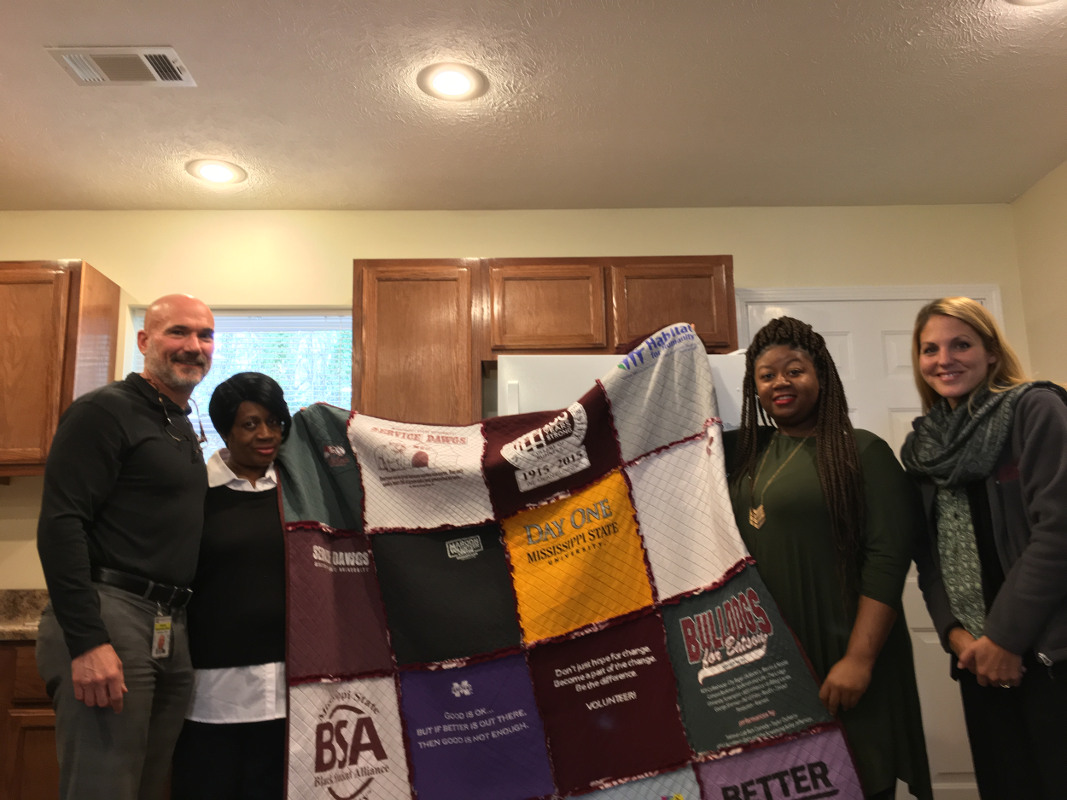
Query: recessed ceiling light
(1030, 2)
(215, 171)
(452, 81)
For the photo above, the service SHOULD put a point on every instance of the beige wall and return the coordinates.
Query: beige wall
(266, 257)
(305, 258)
(1040, 218)
(20, 502)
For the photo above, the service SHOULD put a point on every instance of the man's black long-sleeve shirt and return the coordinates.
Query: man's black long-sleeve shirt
(120, 491)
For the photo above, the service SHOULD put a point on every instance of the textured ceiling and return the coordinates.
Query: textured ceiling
(592, 103)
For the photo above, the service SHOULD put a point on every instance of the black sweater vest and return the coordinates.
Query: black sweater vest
(237, 613)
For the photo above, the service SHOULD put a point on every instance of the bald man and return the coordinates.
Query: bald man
(118, 536)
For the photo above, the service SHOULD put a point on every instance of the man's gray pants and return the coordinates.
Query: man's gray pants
(124, 756)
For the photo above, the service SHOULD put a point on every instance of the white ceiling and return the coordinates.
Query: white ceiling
(592, 103)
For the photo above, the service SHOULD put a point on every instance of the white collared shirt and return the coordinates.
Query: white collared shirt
(220, 474)
(238, 694)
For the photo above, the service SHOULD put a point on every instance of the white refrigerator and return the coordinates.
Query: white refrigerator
(547, 383)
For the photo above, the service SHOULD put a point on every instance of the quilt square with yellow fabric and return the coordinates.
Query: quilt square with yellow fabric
(577, 561)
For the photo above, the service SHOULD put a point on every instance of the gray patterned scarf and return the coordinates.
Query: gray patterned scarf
(954, 447)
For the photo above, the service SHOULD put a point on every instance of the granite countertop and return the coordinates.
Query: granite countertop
(19, 611)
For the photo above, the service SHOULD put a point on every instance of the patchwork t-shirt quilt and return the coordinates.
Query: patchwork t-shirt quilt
(542, 605)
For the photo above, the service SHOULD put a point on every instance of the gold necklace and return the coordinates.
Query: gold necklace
(756, 515)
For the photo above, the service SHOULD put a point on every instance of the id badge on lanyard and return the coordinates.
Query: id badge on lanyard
(162, 632)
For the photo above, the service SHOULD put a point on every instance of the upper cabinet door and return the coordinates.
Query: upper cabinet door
(92, 332)
(33, 318)
(60, 333)
(650, 293)
(412, 350)
(553, 305)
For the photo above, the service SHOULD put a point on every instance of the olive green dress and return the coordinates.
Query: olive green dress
(795, 556)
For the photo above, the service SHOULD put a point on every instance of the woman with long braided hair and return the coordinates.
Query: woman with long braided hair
(830, 517)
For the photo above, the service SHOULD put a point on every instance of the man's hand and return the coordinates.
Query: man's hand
(98, 679)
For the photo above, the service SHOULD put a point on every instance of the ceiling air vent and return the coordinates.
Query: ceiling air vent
(123, 66)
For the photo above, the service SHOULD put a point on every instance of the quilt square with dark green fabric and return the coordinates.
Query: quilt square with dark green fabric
(741, 676)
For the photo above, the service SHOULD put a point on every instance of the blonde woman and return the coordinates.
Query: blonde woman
(990, 454)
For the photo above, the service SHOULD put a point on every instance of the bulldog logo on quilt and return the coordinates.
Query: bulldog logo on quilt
(411, 452)
(741, 673)
(730, 635)
(401, 457)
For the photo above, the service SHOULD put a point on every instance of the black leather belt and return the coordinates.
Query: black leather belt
(162, 593)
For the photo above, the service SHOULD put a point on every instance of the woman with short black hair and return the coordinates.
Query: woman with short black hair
(233, 743)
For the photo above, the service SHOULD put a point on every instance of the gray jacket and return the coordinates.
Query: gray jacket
(1027, 493)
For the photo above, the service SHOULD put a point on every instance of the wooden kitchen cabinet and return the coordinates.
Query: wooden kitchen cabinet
(549, 305)
(422, 328)
(413, 349)
(60, 330)
(28, 766)
(650, 293)
(601, 305)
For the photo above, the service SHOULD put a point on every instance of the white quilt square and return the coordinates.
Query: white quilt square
(661, 392)
(346, 740)
(684, 514)
(419, 476)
